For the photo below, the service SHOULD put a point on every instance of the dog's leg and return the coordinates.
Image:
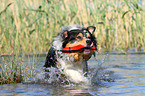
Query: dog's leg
(85, 69)
(51, 60)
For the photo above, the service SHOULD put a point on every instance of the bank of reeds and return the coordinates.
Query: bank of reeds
(29, 25)
(10, 70)
(14, 69)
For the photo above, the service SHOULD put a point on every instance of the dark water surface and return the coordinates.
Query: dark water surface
(119, 75)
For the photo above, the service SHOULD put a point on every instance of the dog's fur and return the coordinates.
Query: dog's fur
(73, 64)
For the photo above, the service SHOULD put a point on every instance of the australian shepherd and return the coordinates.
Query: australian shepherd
(73, 64)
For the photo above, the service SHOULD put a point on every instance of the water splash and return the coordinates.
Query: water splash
(53, 76)
(96, 74)
(100, 75)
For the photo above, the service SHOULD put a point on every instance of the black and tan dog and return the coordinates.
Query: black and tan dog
(73, 64)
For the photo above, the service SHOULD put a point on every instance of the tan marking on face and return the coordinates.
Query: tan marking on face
(88, 35)
(81, 41)
(65, 34)
(80, 35)
(79, 55)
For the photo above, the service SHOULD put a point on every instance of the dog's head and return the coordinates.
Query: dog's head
(80, 35)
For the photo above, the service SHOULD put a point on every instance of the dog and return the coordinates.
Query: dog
(73, 64)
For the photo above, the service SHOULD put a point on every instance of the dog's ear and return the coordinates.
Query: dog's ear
(91, 29)
(65, 34)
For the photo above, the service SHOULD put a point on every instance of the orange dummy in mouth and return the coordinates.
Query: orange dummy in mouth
(78, 48)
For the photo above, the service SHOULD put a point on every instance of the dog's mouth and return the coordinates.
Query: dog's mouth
(86, 51)
(79, 48)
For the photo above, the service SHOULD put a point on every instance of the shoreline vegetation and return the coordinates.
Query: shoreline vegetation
(17, 69)
(28, 26)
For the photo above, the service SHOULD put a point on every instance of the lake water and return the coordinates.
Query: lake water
(111, 75)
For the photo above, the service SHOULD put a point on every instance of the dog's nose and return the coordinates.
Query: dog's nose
(89, 42)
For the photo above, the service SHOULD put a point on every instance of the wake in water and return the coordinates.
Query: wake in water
(96, 74)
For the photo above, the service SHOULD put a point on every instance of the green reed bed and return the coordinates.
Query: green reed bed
(16, 69)
(11, 70)
(29, 25)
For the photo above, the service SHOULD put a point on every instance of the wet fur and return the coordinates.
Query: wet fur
(73, 64)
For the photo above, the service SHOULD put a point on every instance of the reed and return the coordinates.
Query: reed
(28, 26)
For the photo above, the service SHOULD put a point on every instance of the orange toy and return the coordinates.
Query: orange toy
(78, 48)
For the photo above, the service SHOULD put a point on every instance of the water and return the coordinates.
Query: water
(117, 75)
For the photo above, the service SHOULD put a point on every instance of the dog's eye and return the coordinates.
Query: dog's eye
(73, 41)
(89, 37)
(79, 37)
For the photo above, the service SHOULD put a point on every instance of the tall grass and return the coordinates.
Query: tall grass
(29, 25)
